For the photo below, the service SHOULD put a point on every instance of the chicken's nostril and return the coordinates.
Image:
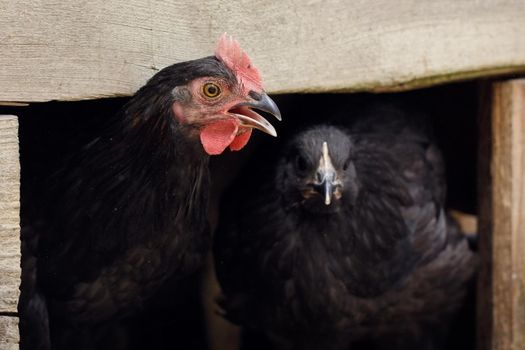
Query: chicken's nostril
(255, 95)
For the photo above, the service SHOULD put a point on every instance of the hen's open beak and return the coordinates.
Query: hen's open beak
(249, 118)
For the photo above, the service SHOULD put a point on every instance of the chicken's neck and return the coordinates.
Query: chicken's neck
(369, 242)
(136, 184)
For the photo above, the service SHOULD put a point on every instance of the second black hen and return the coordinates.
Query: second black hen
(347, 242)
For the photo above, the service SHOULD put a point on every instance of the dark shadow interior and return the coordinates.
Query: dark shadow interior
(50, 131)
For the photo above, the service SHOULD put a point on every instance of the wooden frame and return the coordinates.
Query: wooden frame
(501, 307)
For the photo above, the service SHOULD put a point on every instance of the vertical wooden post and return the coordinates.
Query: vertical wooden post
(501, 307)
(9, 231)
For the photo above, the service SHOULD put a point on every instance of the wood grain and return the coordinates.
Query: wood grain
(69, 50)
(8, 333)
(9, 214)
(501, 313)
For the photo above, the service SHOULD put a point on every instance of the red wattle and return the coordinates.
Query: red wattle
(241, 140)
(216, 136)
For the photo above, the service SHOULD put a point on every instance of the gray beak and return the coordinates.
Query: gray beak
(326, 189)
(326, 176)
(251, 119)
(264, 103)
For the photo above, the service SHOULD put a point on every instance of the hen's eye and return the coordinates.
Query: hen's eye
(301, 164)
(211, 90)
(346, 164)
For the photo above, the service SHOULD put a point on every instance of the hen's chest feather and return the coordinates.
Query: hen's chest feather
(123, 223)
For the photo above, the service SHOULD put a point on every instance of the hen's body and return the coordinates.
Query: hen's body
(124, 214)
(125, 225)
(382, 263)
(129, 211)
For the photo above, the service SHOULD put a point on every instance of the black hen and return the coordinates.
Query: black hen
(347, 241)
(130, 209)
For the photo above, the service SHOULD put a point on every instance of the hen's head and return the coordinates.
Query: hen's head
(318, 170)
(214, 98)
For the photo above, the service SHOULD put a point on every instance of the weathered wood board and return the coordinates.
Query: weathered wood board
(70, 50)
(9, 214)
(501, 311)
(8, 333)
(9, 231)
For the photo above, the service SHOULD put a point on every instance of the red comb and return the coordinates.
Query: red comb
(229, 52)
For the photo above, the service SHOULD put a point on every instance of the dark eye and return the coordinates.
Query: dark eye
(301, 164)
(211, 90)
(346, 164)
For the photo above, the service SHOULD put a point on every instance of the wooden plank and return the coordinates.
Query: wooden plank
(8, 333)
(9, 214)
(78, 50)
(501, 313)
